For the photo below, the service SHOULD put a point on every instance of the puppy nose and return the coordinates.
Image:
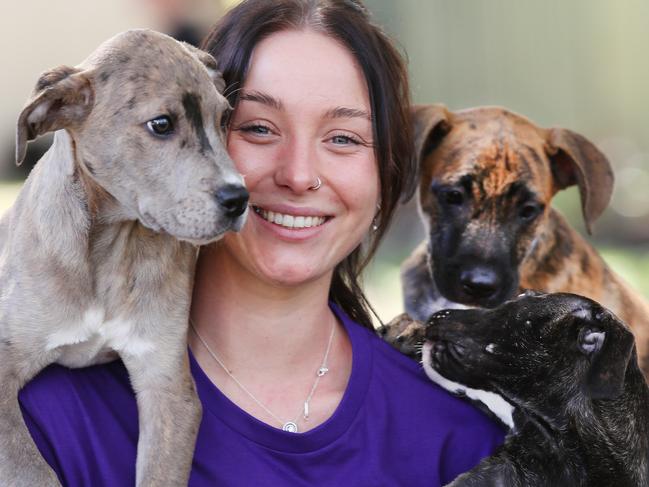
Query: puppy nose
(480, 282)
(233, 198)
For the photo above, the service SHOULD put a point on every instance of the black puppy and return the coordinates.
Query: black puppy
(568, 367)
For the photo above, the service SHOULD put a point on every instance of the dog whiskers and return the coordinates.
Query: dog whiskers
(229, 91)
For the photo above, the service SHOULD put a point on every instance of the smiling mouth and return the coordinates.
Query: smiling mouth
(290, 221)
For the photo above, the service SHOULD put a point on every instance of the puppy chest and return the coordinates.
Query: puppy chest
(94, 339)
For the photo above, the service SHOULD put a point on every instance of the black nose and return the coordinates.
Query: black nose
(233, 198)
(480, 282)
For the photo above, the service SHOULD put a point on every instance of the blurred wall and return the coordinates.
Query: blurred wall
(36, 35)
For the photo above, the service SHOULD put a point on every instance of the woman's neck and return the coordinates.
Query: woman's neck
(271, 338)
(247, 317)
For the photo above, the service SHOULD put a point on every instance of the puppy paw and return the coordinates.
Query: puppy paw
(405, 334)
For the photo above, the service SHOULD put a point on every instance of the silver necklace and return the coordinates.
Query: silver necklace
(290, 426)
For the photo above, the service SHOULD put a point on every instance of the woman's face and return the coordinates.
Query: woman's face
(303, 113)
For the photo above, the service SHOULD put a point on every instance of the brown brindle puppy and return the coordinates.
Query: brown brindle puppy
(487, 177)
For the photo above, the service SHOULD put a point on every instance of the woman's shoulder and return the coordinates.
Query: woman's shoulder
(406, 386)
(402, 401)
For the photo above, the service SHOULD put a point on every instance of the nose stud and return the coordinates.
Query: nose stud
(316, 186)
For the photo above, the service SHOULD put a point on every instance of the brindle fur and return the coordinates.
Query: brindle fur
(97, 253)
(501, 162)
(404, 334)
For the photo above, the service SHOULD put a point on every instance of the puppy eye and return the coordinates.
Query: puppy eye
(160, 126)
(452, 197)
(529, 211)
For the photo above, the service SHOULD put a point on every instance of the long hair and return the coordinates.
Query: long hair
(232, 41)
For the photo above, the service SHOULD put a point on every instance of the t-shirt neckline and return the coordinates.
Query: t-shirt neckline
(217, 404)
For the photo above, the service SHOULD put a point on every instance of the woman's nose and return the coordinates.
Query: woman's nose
(297, 167)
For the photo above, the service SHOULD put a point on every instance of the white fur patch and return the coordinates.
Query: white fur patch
(119, 335)
(87, 341)
(496, 404)
(73, 333)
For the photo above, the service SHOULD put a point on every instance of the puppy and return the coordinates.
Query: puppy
(98, 252)
(404, 334)
(487, 178)
(568, 368)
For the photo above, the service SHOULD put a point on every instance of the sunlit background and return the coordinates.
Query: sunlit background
(579, 64)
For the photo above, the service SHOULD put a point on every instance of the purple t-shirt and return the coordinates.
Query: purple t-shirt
(393, 427)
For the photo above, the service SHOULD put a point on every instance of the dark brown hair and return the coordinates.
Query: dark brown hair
(232, 41)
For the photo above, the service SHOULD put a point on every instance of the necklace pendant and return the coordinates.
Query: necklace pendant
(290, 427)
(322, 371)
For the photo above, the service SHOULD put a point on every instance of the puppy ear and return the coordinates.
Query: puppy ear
(576, 160)
(63, 97)
(430, 124)
(609, 354)
(211, 65)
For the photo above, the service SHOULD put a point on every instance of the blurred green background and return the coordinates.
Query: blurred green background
(579, 64)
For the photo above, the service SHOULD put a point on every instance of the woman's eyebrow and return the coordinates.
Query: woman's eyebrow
(263, 98)
(344, 112)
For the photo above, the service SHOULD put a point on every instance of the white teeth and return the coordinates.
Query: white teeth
(290, 221)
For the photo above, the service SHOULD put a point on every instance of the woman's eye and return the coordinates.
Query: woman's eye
(344, 140)
(256, 129)
(160, 126)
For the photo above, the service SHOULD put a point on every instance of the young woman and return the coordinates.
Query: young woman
(296, 388)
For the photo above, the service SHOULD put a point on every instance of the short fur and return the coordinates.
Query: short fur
(487, 178)
(568, 367)
(404, 334)
(97, 253)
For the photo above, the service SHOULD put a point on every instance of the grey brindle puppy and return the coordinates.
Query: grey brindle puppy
(568, 367)
(97, 253)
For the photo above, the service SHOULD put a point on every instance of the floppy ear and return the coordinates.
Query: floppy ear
(430, 124)
(609, 353)
(63, 97)
(576, 160)
(210, 63)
